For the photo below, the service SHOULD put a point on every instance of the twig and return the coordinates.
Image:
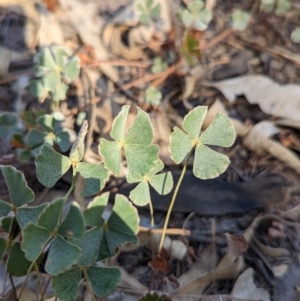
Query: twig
(173, 231)
(220, 37)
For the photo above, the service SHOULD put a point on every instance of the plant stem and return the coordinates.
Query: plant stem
(173, 201)
(88, 283)
(39, 281)
(73, 183)
(152, 214)
(31, 267)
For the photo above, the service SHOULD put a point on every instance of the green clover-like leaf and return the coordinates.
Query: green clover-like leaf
(51, 230)
(153, 96)
(50, 166)
(295, 35)
(240, 19)
(53, 133)
(66, 284)
(196, 15)
(207, 163)
(20, 196)
(94, 176)
(139, 152)
(162, 183)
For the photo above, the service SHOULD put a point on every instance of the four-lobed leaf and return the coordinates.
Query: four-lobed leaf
(196, 15)
(207, 162)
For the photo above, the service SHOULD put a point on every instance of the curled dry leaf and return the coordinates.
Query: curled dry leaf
(237, 244)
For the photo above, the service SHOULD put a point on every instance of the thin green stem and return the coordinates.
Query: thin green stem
(39, 281)
(73, 182)
(173, 202)
(152, 214)
(31, 267)
(88, 283)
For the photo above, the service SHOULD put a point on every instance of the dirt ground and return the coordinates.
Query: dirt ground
(244, 237)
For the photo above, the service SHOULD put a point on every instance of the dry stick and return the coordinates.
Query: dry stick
(223, 35)
(121, 63)
(173, 201)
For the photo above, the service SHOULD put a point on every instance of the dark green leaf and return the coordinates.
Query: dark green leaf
(17, 264)
(7, 223)
(36, 137)
(51, 215)
(50, 166)
(5, 208)
(65, 285)
(103, 280)
(62, 256)
(73, 224)
(35, 239)
(62, 139)
(93, 213)
(26, 215)
(20, 194)
(90, 245)
(94, 176)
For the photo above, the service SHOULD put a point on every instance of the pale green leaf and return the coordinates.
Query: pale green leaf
(140, 195)
(50, 166)
(51, 80)
(35, 239)
(23, 194)
(51, 216)
(240, 19)
(208, 163)
(26, 215)
(141, 131)
(192, 122)
(124, 217)
(117, 131)
(46, 59)
(220, 132)
(73, 224)
(200, 25)
(103, 279)
(153, 96)
(94, 176)
(187, 18)
(205, 16)
(180, 145)
(140, 158)
(72, 69)
(162, 183)
(60, 54)
(195, 6)
(60, 92)
(295, 35)
(36, 88)
(158, 166)
(111, 152)
(62, 255)
(95, 209)
(65, 285)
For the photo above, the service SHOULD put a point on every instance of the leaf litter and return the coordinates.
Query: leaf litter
(267, 79)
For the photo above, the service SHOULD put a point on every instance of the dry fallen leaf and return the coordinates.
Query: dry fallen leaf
(274, 99)
(244, 288)
(237, 244)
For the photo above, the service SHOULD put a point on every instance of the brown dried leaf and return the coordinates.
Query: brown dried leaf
(237, 244)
